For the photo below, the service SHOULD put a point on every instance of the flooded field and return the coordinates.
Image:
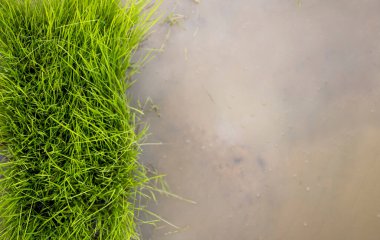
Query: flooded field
(269, 118)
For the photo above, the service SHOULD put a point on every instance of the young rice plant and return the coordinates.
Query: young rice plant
(67, 134)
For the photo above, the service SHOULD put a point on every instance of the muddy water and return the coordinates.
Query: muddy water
(269, 119)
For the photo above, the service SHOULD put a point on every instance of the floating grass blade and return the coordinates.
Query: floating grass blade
(67, 134)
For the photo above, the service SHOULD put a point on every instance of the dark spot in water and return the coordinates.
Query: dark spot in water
(238, 160)
(249, 199)
(261, 162)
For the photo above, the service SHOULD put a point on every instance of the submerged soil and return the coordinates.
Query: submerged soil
(269, 119)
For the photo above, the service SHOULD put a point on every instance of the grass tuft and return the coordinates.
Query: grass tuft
(67, 133)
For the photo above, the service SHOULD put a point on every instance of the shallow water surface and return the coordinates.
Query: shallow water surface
(269, 119)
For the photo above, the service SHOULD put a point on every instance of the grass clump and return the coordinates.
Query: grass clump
(67, 133)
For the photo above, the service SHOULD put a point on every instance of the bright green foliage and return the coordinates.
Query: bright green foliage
(68, 135)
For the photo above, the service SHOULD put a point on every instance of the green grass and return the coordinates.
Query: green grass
(67, 132)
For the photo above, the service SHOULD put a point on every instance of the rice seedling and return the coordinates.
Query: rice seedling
(67, 133)
(174, 18)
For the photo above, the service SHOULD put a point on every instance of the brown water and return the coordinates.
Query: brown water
(269, 119)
